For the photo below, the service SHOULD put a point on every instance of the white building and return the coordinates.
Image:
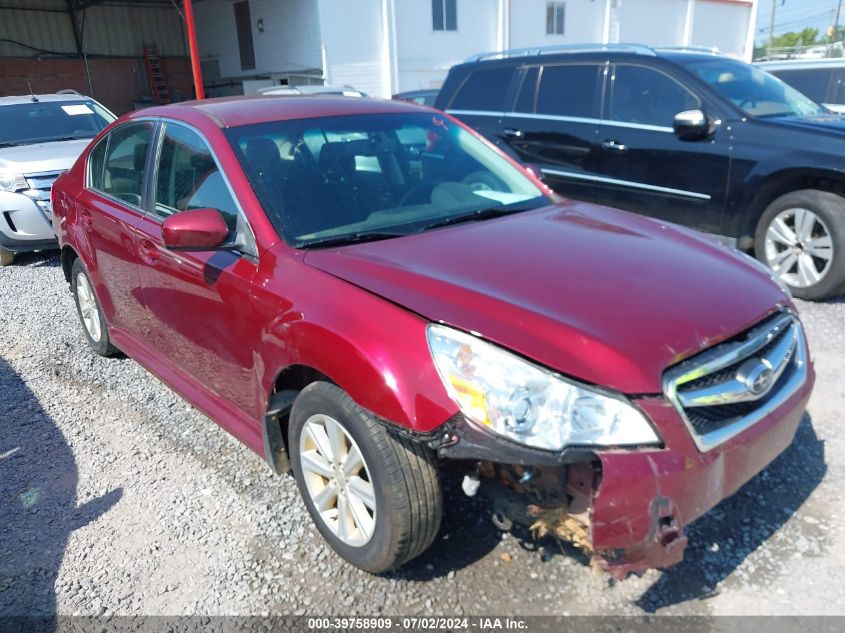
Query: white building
(386, 46)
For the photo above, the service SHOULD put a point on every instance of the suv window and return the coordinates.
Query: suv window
(813, 82)
(647, 96)
(125, 160)
(568, 90)
(188, 177)
(483, 90)
(528, 90)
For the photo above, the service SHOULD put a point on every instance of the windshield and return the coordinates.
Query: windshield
(49, 121)
(754, 91)
(329, 180)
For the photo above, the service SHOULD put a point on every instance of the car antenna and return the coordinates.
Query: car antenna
(32, 94)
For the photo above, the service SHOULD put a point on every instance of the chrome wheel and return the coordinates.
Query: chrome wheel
(88, 307)
(338, 480)
(799, 247)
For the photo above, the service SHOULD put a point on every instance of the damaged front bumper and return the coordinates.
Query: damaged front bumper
(627, 509)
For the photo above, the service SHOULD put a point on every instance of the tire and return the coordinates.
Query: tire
(793, 232)
(88, 308)
(401, 473)
(7, 257)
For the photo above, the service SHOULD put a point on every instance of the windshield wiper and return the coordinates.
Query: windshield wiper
(9, 144)
(353, 238)
(66, 138)
(483, 214)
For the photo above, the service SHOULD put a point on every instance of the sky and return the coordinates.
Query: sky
(794, 15)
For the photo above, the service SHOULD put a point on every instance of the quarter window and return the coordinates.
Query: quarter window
(96, 160)
(188, 177)
(125, 162)
(648, 97)
(484, 90)
(444, 14)
(568, 90)
(555, 12)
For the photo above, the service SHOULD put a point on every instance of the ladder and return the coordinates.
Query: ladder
(155, 76)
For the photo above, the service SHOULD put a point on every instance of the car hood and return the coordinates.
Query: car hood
(601, 295)
(41, 157)
(827, 123)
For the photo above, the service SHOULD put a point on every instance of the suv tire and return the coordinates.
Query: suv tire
(89, 311)
(804, 231)
(7, 257)
(379, 493)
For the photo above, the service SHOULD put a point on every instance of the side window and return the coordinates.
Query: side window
(648, 97)
(568, 90)
(528, 91)
(125, 161)
(483, 90)
(188, 177)
(813, 82)
(96, 160)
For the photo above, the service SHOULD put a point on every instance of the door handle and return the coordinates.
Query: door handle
(614, 146)
(510, 132)
(148, 252)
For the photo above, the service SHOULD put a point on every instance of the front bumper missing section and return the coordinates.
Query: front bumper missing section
(626, 509)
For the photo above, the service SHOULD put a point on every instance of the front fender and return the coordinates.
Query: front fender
(374, 350)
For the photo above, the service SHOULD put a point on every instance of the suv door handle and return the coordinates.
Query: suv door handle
(614, 146)
(148, 252)
(510, 132)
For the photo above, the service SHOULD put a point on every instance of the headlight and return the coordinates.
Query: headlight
(769, 272)
(12, 182)
(528, 404)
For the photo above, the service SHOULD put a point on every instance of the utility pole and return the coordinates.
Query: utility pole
(836, 23)
(772, 29)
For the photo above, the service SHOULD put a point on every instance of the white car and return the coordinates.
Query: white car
(823, 80)
(346, 91)
(40, 137)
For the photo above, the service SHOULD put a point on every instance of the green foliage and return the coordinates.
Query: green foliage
(805, 37)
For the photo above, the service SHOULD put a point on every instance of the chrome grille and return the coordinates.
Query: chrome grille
(726, 389)
(40, 186)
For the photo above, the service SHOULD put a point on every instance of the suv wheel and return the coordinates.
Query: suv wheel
(374, 494)
(801, 237)
(90, 313)
(7, 257)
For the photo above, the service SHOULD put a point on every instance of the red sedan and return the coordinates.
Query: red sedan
(363, 290)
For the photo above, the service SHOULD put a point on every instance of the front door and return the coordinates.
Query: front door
(644, 167)
(200, 306)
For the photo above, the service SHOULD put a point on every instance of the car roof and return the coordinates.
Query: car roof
(785, 64)
(20, 99)
(237, 111)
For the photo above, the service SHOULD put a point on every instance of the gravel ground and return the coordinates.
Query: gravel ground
(118, 497)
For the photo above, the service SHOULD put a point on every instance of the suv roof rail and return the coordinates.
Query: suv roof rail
(713, 50)
(639, 49)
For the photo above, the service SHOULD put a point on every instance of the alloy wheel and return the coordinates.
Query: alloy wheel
(88, 308)
(338, 480)
(799, 247)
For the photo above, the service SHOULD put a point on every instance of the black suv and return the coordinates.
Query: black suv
(686, 136)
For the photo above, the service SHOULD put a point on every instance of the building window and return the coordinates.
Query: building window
(444, 14)
(555, 12)
(243, 25)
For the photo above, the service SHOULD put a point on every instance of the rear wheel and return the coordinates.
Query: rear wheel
(7, 257)
(373, 493)
(801, 237)
(90, 313)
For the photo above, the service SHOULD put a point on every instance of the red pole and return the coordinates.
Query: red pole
(192, 45)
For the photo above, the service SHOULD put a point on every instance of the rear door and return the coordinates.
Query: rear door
(554, 125)
(201, 312)
(482, 97)
(109, 209)
(644, 167)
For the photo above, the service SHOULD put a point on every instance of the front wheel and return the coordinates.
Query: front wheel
(372, 492)
(801, 237)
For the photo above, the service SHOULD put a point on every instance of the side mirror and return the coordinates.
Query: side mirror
(195, 230)
(693, 125)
